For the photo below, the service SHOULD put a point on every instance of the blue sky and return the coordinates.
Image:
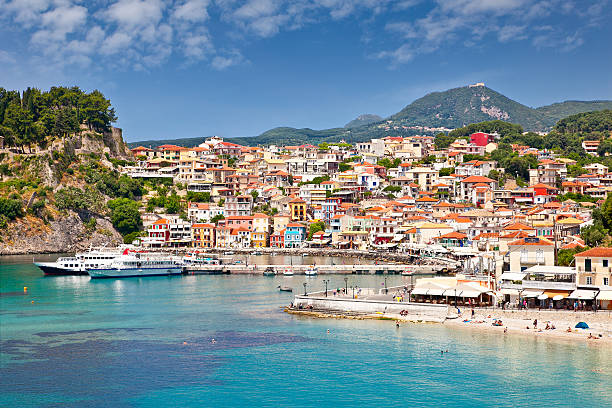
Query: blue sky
(189, 68)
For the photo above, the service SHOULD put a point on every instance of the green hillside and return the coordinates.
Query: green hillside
(363, 120)
(461, 106)
(561, 110)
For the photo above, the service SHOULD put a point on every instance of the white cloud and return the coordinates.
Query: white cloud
(6, 57)
(64, 20)
(192, 11)
(116, 42)
(223, 62)
(511, 32)
(135, 13)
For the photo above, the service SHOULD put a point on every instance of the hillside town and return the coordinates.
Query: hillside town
(390, 195)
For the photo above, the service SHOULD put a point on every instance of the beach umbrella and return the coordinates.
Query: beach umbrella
(582, 325)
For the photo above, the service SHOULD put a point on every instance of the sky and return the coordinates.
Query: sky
(197, 68)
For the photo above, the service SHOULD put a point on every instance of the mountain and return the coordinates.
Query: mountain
(471, 104)
(363, 120)
(562, 110)
(453, 108)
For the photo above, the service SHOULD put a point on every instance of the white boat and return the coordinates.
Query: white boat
(80, 262)
(139, 264)
(288, 272)
(311, 271)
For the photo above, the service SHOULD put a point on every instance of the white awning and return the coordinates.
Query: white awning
(513, 292)
(531, 293)
(512, 276)
(583, 294)
(605, 295)
(420, 291)
(558, 297)
(543, 296)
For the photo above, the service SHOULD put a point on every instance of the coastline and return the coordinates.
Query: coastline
(515, 321)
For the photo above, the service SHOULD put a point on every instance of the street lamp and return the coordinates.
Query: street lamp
(345, 285)
(386, 290)
(326, 281)
(304, 288)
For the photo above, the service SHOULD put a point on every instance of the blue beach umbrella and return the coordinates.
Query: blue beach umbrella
(582, 325)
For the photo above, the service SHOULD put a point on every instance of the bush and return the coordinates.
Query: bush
(10, 208)
(125, 215)
(129, 238)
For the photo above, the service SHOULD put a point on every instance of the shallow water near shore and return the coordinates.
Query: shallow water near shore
(149, 342)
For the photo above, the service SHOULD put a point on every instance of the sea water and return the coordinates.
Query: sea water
(224, 341)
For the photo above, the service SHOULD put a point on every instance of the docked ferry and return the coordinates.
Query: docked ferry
(131, 265)
(80, 262)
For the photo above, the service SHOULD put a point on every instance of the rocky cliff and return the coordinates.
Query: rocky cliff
(68, 233)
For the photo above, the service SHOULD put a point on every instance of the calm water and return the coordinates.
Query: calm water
(120, 343)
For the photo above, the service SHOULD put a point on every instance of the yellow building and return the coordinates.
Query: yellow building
(297, 209)
(594, 267)
(260, 239)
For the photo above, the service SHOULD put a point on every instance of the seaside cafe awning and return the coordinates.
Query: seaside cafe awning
(583, 294)
(512, 276)
(429, 289)
(605, 295)
(555, 294)
(466, 291)
(531, 293)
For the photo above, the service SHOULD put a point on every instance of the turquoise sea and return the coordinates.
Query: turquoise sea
(148, 342)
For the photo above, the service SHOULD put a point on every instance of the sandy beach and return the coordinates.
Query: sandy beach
(522, 322)
(514, 322)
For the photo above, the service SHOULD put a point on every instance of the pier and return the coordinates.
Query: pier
(368, 303)
(358, 269)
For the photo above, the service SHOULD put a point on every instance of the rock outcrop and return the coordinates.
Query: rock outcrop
(68, 233)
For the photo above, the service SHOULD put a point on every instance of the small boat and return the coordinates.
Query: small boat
(269, 271)
(304, 254)
(288, 272)
(285, 289)
(311, 271)
(407, 273)
(257, 253)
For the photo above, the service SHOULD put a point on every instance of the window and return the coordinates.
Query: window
(589, 280)
(606, 281)
(605, 263)
(587, 265)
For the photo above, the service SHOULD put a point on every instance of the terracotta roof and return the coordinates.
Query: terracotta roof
(454, 234)
(596, 252)
(477, 179)
(518, 226)
(540, 242)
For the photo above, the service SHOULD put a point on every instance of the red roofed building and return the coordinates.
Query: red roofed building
(468, 184)
(594, 268)
(452, 240)
(530, 251)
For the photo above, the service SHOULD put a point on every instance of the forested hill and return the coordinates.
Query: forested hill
(563, 109)
(461, 106)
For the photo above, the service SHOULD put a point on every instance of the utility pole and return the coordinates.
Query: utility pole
(555, 234)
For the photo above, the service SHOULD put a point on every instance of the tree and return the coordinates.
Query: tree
(393, 189)
(342, 167)
(254, 194)
(173, 204)
(593, 235)
(10, 208)
(446, 171)
(217, 218)
(315, 227)
(125, 215)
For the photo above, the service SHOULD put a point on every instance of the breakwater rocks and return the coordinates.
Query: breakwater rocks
(31, 235)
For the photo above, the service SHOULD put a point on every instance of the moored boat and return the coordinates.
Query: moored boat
(137, 265)
(288, 272)
(311, 271)
(80, 262)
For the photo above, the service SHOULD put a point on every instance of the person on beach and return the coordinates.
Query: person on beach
(535, 323)
(473, 313)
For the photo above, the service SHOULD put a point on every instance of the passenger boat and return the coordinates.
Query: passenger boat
(139, 264)
(80, 262)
